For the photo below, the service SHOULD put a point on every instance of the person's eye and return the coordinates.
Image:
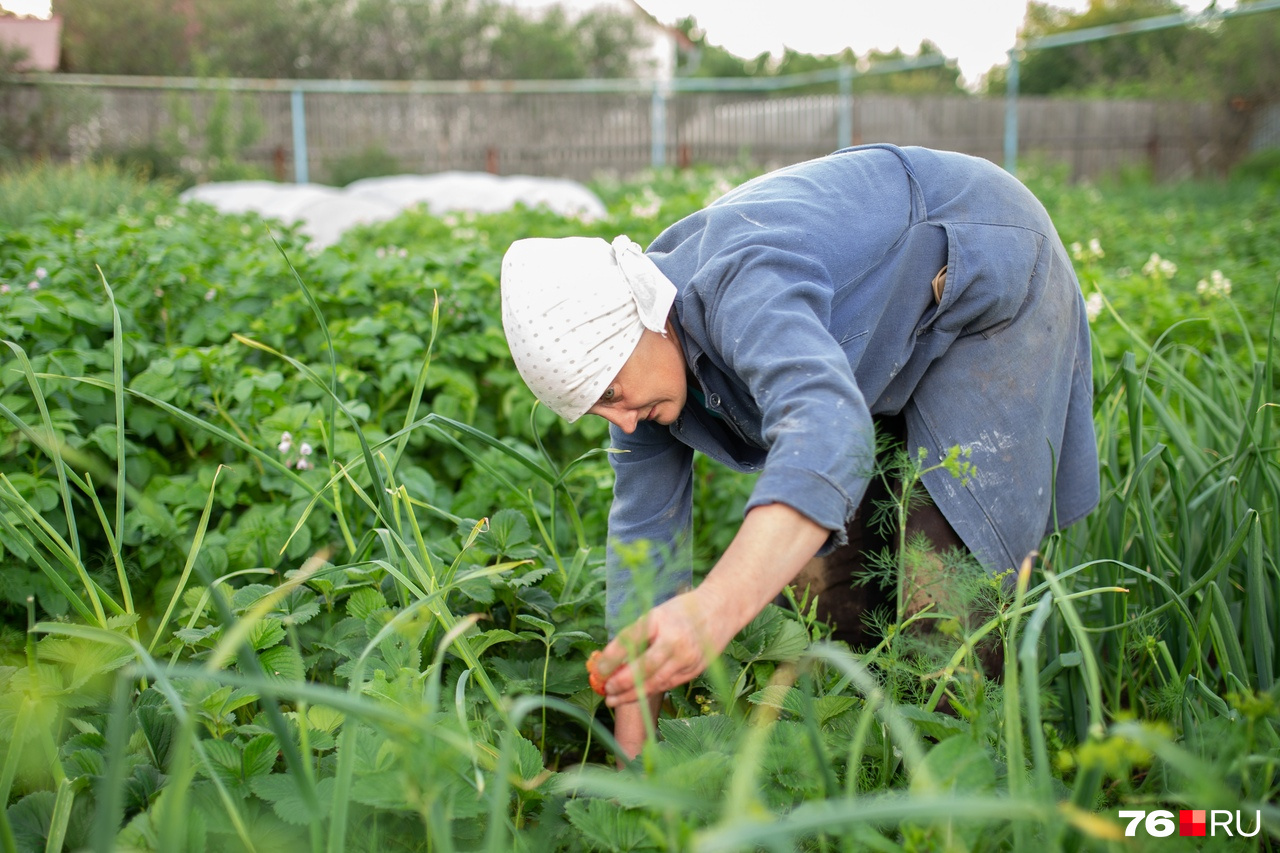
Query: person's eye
(608, 395)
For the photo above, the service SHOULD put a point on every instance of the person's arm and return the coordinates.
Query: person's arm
(652, 505)
(682, 636)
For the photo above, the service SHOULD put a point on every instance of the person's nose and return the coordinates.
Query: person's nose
(623, 419)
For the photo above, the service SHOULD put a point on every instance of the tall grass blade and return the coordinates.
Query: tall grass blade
(419, 385)
(109, 788)
(62, 804)
(810, 818)
(117, 381)
(51, 447)
(196, 542)
(41, 530)
(55, 577)
(332, 387)
(1262, 643)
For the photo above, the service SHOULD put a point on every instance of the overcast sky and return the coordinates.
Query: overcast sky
(977, 33)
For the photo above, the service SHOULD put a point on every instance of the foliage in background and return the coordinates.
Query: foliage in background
(703, 58)
(368, 39)
(1226, 61)
(47, 190)
(292, 562)
(372, 162)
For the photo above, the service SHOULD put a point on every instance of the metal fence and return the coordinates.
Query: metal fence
(303, 130)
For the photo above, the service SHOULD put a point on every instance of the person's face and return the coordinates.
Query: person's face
(650, 387)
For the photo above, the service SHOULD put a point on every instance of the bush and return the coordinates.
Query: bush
(91, 190)
(153, 162)
(372, 162)
(1261, 166)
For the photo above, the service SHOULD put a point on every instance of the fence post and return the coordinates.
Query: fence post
(658, 127)
(844, 131)
(301, 172)
(1011, 115)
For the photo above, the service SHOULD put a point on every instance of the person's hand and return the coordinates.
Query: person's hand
(668, 646)
(675, 641)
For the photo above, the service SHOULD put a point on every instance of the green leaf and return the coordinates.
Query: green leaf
(381, 790)
(298, 606)
(260, 755)
(528, 759)
(225, 700)
(323, 718)
(196, 636)
(266, 633)
(694, 736)
(483, 641)
(779, 696)
(956, 764)
(283, 663)
(827, 708)
(507, 529)
(365, 601)
(142, 787)
(771, 636)
(158, 726)
(284, 794)
(933, 724)
(248, 595)
(30, 818)
(609, 826)
(528, 577)
(88, 659)
(542, 625)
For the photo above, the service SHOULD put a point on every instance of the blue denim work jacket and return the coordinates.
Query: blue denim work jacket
(804, 307)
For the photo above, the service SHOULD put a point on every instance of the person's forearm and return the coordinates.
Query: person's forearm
(773, 544)
(629, 727)
(673, 643)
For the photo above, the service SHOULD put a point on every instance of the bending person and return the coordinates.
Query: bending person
(770, 331)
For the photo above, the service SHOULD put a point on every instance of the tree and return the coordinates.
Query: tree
(344, 39)
(1242, 59)
(940, 79)
(709, 60)
(248, 38)
(1137, 64)
(1232, 58)
(123, 37)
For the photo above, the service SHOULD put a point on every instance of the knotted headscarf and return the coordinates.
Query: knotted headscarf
(574, 309)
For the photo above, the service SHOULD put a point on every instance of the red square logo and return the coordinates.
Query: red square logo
(1191, 822)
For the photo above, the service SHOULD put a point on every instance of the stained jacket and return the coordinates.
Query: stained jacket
(804, 307)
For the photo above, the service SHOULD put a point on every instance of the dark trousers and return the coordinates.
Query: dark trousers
(848, 607)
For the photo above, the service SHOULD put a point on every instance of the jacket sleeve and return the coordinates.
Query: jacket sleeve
(768, 315)
(649, 552)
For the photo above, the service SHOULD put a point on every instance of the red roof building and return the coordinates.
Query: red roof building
(39, 39)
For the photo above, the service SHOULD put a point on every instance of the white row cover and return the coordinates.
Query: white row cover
(324, 213)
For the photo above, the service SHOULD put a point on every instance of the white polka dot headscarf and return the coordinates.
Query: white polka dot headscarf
(574, 309)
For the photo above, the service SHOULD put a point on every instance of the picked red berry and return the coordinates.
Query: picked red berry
(597, 682)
